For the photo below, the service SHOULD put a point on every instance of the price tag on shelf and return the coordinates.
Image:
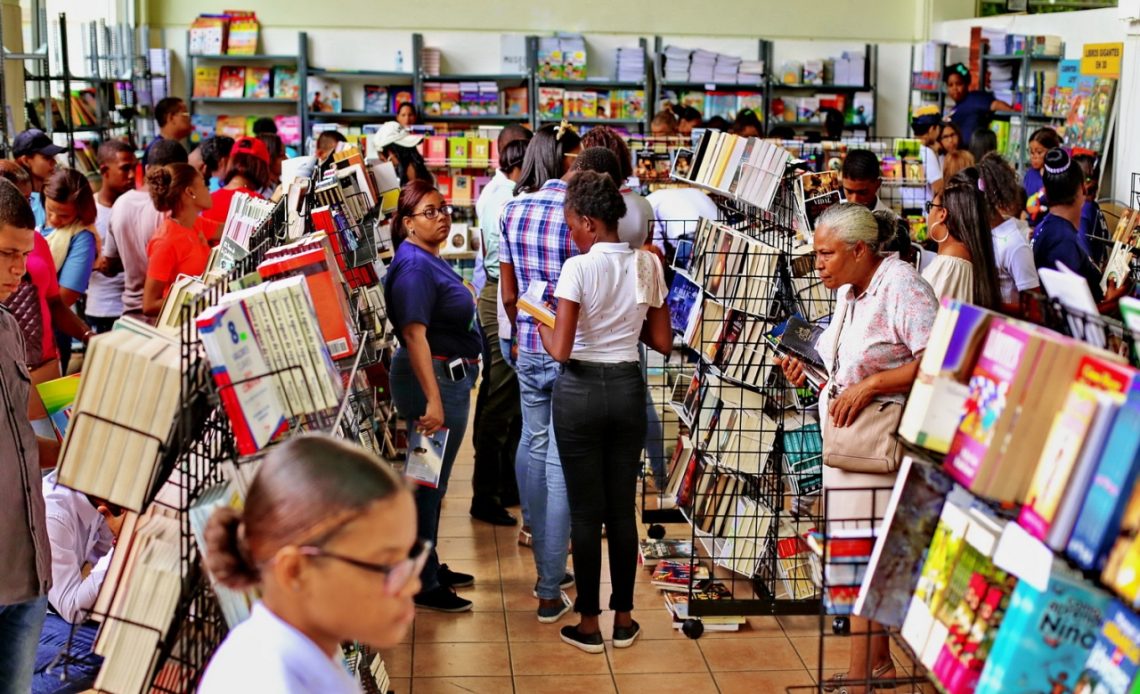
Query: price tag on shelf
(1024, 556)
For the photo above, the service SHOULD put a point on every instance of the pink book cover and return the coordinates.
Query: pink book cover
(988, 397)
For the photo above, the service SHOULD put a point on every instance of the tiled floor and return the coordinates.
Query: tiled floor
(501, 647)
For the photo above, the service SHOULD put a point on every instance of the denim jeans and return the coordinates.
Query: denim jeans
(522, 455)
(599, 416)
(545, 485)
(78, 674)
(20, 627)
(411, 403)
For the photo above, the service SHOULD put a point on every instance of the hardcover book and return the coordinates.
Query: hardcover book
(258, 83)
(1115, 658)
(231, 82)
(285, 84)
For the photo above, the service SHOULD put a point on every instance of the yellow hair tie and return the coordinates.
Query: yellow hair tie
(563, 127)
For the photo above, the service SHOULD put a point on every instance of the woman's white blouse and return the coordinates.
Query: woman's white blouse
(264, 654)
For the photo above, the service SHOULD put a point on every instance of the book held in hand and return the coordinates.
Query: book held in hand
(425, 457)
(531, 303)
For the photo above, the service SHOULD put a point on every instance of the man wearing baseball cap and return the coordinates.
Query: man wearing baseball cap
(395, 143)
(35, 151)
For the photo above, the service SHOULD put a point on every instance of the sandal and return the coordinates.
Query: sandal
(835, 683)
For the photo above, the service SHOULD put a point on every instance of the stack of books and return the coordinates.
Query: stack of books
(746, 168)
(677, 63)
(630, 64)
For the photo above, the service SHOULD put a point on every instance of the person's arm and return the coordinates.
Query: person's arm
(75, 273)
(508, 285)
(154, 295)
(999, 105)
(559, 340)
(65, 320)
(845, 408)
(72, 595)
(656, 332)
(419, 352)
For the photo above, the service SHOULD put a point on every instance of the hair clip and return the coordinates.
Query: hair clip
(961, 69)
(982, 184)
(563, 127)
(1057, 170)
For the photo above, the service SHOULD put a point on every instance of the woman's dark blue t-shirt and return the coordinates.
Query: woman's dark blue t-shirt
(422, 288)
(1056, 240)
(971, 113)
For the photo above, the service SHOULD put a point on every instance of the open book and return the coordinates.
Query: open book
(532, 304)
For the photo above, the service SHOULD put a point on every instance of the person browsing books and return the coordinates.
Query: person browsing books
(950, 139)
(248, 173)
(25, 553)
(610, 299)
(134, 221)
(927, 124)
(687, 119)
(1093, 234)
(1012, 255)
(397, 144)
(862, 178)
(964, 269)
(173, 119)
(634, 226)
(536, 243)
(972, 109)
(1041, 141)
(35, 152)
(328, 537)
(1055, 240)
(74, 244)
(180, 246)
(871, 349)
(117, 166)
(212, 159)
(434, 369)
(82, 530)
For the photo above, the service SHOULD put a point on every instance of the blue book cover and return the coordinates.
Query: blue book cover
(1046, 637)
(1113, 662)
(1109, 491)
(684, 301)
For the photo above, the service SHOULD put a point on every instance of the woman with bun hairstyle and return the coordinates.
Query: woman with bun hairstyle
(180, 246)
(328, 535)
(1055, 238)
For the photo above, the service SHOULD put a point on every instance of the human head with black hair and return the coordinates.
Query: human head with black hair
(165, 152)
(327, 142)
(747, 124)
(781, 132)
(960, 210)
(16, 175)
(894, 235)
(982, 142)
(409, 163)
(512, 132)
(511, 159)
(406, 114)
(1041, 141)
(999, 186)
(1064, 180)
(664, 124)
(927, 125)
(550, 154)
(214, 156)
(264, 126)
(687, 119)
(600, 160)
(862, 177)
(593, 207)
(833, 122)
(957, 79)
(17, 238)
(117, 164)
(950, 139)
(69, 200)
(306, 537)
(1090, 167)
(718, 123)
(276, 148)
(173, 119)
(605, 136)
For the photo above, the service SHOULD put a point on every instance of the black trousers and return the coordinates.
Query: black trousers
(498, 419)
(599, 426)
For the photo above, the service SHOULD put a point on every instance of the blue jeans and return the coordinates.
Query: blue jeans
(20, 627)
(522, 456)
(411, 403)
(78, 674)
(545, 484)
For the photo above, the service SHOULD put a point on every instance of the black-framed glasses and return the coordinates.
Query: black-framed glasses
(397, 575)
(930, 204)
(433, 212)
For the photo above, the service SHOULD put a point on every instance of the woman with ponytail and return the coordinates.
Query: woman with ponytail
(964, 269)
(180, 246)
(328, 535)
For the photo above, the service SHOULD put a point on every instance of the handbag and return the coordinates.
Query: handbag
(24, 303)
(869, 444)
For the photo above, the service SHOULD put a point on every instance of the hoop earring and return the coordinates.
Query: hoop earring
(944, 238)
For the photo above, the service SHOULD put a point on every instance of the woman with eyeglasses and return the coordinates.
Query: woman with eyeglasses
(308, 538)
(950, 139)
(957, 219)
(434, 369)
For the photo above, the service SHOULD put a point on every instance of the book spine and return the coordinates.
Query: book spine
(288, 330)
(327, 376)
(1108, 494)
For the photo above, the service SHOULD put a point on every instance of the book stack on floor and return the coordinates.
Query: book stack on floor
(681, 577)
(1012, 564)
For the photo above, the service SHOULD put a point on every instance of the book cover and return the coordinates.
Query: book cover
(285, 84)
(375, 99)
(324, 95)
(58, 396)
(942, 556)
(207, 79)
(231, 82)
(1046, 636)
(678, 575)
(1061, 527)
(654, 551)
(1115, 657)
(231, 126)
(425, 457)
(258, 82)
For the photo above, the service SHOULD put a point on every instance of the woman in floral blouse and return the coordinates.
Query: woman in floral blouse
(883, 314)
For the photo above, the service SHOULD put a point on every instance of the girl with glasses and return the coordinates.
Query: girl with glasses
(958, 221)
(434, 369)
(308, 539)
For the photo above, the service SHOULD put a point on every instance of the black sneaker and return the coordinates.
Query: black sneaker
(590, 643)
(493, 513)
(625, 636)
(566, 582)
(454, 579)
(442, 599)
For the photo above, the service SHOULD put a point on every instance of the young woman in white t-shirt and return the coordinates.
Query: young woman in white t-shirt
(609, 298)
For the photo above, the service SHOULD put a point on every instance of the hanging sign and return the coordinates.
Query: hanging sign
(1101, 59)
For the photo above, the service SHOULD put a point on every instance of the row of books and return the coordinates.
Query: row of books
(562, 57)
(848, 69)
(460, 151)
(473, 99)
(556, 102)
(234, 32)
(747, 168)
(248, 82)
(726, 104)
(859, 110)
(206, 125)
(685, 65)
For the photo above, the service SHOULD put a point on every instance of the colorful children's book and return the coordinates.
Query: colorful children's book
(258, 83)
(285, 84)
(375, 99)
(678, 575)
(232, 82)
(206, 80)
(1115, 658)
(58, 396)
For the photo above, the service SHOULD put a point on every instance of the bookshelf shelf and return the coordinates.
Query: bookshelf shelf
(591, 84)
(240, 100)
(476, 78)
(594, 121)
(349, 115)
(712, 86)
(362, 74)
(257, 58)
(814, 124)
(821, 87)
(485, 118)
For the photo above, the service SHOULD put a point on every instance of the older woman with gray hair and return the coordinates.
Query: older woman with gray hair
(883, 314)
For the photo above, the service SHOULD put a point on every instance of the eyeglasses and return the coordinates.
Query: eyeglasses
(398, 574)
(930, 204)
(947, 136)
(433, 212)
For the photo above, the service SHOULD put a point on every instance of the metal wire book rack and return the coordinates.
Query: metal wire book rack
(201, 453)
(753, 447)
